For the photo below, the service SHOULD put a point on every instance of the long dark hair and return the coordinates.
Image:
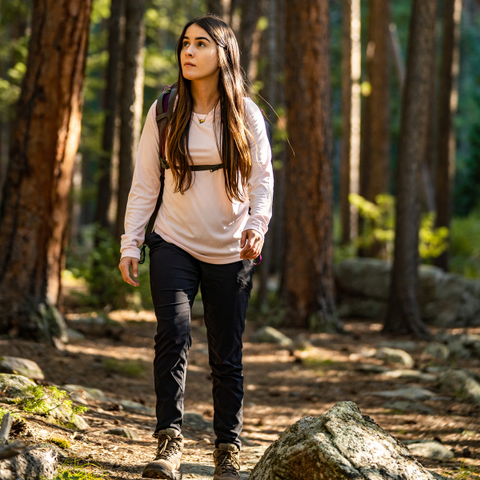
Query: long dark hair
(234, 150)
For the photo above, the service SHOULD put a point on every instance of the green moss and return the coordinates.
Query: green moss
(72, 470)
(131, 368)
(61, 442)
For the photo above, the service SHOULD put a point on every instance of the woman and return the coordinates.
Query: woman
(209, 229)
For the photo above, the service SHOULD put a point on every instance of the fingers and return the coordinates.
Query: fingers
(244, 238)
(252, 246)
(124, 267)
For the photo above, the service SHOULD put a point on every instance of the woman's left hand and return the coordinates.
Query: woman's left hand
(251, 244)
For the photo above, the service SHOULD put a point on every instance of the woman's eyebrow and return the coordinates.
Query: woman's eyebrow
(198, 38)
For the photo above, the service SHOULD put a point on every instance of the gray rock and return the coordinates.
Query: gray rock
(63, 416)
(395, 355)
(123, 432)
(437, 350)
(196, 422)
(412, 375)
(409, 407)
(75, 335)
(85, 394)
(136, 407)
(461, 384)
(343, 444)
(458, 349)
(409, 393)
(21, 366)
(100, 326)
(406, 345)
(271, 335)
(41, 463)
(434, 450)
(445, 300)
(14, 385)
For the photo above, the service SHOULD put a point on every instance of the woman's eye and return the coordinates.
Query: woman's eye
(185, 44)
(201, 44)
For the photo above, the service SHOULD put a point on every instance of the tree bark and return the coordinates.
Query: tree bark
(402, 314)
(104, 190)
(131, 102)
(308, 280)
(248, 39)
(351, 106)
(34, 211)
(447, 107)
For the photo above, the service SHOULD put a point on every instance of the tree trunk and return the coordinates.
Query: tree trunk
(447, 107)
(34, 211)
(216, 7)
(402, 314)
(267, 253)
(248, 39)
(104, 191)
(351, 106)
(376, 129)
(308, 280)
(131, 102)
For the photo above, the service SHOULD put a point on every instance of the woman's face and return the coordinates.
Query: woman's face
(199, 57)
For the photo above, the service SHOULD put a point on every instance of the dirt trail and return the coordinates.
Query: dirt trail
(280, 389)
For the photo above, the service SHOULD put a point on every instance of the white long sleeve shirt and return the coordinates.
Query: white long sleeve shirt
(202, 221)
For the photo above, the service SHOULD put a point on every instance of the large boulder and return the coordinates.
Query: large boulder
(14, 385)
(343, 444)
(21, 366)
(445, 299)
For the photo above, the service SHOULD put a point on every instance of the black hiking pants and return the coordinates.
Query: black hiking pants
(175, 277)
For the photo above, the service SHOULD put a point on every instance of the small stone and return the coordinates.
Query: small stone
(123, 432)
(458, 349)
(410, 393)
(136, 407)
(75, 334)
(413, 375)
(14, 385)
(434, 450)
(196, 421)
(461, 384)
(21, 366)
(409, 407)
(395, 355)
(271, 335)
(87, 393)
(437, 350)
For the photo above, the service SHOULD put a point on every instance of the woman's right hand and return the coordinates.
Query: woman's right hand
(124, 267)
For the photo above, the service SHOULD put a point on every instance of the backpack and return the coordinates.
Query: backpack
(166, 100)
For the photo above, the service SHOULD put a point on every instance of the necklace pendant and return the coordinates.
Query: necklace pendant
(201, 120)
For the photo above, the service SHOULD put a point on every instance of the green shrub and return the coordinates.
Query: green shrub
(42, 400)
(465, 245)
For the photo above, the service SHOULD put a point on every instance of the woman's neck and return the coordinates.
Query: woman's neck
(205, 95)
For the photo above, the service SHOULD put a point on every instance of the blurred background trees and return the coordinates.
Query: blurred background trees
(335, 126)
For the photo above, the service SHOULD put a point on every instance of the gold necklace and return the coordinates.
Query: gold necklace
(200, 120)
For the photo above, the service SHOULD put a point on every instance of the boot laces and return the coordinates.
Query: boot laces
(229, 462)
(168, 447)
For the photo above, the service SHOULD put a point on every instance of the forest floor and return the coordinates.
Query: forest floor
(280, 388)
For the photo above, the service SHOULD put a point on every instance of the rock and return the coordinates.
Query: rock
(85, 394)
(433, 450)
(458, 349)
(39, 463)
(196, 422)
(406, 345)
(123, 432)
(410, 393)
(75, 335)
(14, 385)
(409, 407)
(65, 418)
(271, 335)
(394, 355)
(445, 299)
(370, 368)
(463, 385)
(413, 375)
(437, 350)
(342, 445)
(301, 343)
(99, 326)
(136, 407)
(21, 366)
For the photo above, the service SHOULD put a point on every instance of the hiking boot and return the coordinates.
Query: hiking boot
(168, 457)
(227, 462)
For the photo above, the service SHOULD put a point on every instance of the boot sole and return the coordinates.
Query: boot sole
(162, 474)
